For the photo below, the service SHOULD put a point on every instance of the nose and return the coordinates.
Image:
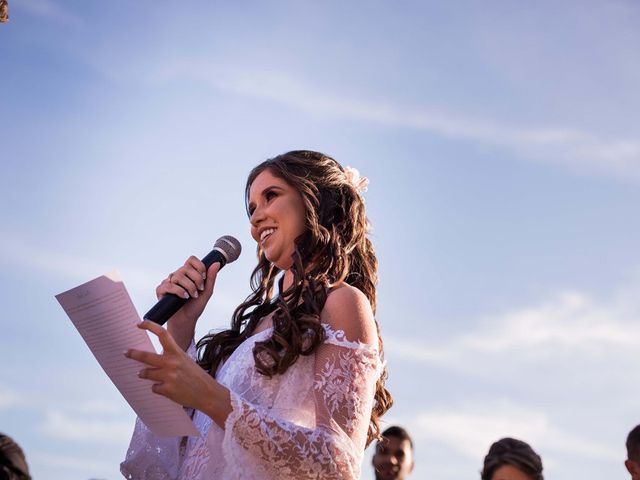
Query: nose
(256, 216)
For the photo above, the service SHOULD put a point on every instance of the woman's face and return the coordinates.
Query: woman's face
(509, 472)
(277, 217)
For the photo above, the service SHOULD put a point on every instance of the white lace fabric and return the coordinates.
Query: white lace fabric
(310, 422)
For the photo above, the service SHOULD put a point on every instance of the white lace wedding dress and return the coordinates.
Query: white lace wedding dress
(309, 423)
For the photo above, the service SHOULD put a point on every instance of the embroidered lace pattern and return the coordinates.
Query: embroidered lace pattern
(309, 423)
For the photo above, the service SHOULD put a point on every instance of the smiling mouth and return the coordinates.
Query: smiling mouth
(266, 234)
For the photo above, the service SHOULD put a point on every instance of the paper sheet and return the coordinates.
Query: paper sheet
(104, 315)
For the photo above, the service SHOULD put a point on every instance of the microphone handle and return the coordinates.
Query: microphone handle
(168, 305)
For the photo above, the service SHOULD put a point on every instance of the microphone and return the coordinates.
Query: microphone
(226, 250)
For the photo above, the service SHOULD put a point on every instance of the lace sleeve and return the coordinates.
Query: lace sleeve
(345, 374)
(150, 456)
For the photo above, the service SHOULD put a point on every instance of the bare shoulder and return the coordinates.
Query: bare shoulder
(348, 309)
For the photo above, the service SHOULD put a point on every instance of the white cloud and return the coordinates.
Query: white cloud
(16, 251)
(571, 320)
(8, 398)
(557, 145)
(101, 407)
(139, 283)
(67, 462)
(470, 430)
(92, 428)
(569, 324)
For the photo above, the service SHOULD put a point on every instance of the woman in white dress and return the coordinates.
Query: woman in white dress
(295, 388)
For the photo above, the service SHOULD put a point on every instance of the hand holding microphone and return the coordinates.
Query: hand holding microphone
(189, 288)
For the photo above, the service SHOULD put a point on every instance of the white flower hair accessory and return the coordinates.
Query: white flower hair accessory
(358, 182)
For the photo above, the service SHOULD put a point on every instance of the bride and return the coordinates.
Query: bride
(295, 388)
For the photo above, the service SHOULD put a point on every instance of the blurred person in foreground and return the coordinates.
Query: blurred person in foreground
(633, 453)
(512, 459)
(393, 458)
(13, 464)
(4, 11)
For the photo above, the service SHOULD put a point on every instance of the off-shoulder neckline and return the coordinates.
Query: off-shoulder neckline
(338, 336)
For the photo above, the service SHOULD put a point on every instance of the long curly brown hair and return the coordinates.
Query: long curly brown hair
(333, 249)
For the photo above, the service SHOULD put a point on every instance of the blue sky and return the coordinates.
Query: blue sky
(500, 140)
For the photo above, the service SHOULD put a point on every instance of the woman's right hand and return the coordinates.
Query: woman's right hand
(191, 281)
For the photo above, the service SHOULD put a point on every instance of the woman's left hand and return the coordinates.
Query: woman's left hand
(179, 378)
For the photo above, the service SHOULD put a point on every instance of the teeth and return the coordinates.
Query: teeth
(266, 232)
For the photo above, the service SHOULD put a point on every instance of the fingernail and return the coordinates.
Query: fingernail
(185, 295)
(126, 353)
(204, 275)
(202, 286)
(195, 295)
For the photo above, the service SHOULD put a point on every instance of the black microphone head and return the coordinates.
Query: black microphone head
(229, 247)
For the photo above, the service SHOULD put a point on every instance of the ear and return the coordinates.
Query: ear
(413, 464)
(632, 467)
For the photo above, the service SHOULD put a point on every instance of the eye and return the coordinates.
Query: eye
(270, 194)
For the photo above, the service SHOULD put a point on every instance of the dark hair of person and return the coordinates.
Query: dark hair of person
(399, 433)
(518, 454)
(633, 444)
(13, 464)
(334, 248)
